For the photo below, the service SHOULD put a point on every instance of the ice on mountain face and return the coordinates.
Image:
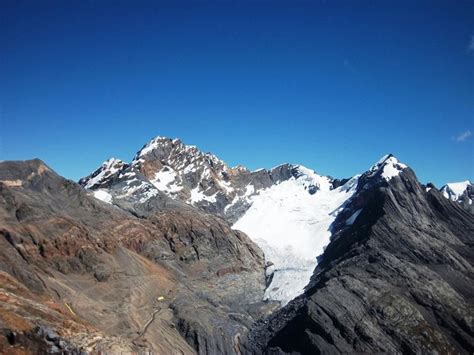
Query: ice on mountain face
(103, 196)
(291, 272)
(389, 167)
(292, 228)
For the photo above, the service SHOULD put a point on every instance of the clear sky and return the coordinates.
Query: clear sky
(332, 85)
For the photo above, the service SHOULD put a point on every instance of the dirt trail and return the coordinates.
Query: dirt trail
(132, 303)
(147, 324)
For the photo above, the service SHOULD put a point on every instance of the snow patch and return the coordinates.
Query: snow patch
(225, 185)
(165, 180)
(249, 190)
(198, 196)
(103, 196)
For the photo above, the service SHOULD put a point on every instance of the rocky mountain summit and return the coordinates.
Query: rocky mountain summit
(176, 252)
(167, 167)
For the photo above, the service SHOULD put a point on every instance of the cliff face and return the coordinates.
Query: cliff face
(83, 275)
(398, 278)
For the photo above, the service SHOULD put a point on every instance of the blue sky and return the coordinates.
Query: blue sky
(333, 85)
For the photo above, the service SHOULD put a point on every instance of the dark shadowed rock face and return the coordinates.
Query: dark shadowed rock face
(78, 274)
(398, 279)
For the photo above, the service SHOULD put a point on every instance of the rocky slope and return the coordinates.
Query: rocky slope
(79, 274)
(397, 277)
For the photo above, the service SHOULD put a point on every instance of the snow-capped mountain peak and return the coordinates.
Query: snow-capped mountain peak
(108, 168)
(311, 180)
(181, 170)
(462, 192)
(176, 154)
(387, 167)
(454, 190)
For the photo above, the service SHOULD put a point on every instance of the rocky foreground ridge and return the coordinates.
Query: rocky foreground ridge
(142, 256)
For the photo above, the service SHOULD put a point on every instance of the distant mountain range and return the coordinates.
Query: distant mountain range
(462, 192)
(176, 252)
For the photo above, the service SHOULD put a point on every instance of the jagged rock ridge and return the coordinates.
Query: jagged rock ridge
(167, 167)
